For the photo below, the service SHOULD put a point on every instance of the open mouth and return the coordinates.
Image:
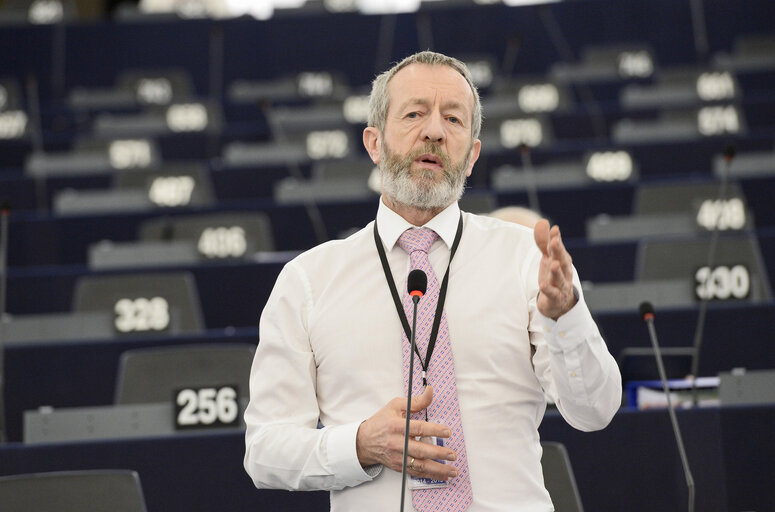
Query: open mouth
(429, 161)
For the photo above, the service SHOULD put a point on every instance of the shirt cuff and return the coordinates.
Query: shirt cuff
(343, 457)
(569, 329)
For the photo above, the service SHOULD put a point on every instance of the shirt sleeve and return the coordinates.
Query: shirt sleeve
(574, 366)
(284, 448)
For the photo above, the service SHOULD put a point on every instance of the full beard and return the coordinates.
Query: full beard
(423, 189)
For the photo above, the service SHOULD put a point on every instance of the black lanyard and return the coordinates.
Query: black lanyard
(400, 306)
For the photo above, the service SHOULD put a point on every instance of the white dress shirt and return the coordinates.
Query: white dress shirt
(330, 350)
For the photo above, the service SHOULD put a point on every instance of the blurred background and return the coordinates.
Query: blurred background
(161, 161)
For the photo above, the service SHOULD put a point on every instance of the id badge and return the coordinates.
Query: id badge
(428, 483)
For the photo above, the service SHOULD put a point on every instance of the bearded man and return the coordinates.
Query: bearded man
(501, 327)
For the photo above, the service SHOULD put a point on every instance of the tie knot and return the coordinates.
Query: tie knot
(417, 239)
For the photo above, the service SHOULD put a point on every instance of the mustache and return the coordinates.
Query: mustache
(430, 148)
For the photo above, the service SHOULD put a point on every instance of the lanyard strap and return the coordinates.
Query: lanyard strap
(399, 305)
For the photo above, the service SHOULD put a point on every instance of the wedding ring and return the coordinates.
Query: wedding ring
(411, 464)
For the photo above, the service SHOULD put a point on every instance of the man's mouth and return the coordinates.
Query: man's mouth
(429, 161)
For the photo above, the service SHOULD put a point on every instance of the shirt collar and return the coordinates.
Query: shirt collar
(392, 225)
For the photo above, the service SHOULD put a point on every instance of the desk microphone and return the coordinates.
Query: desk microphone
(699, 329)
(416, 284)
(5, 211)
(647, 314)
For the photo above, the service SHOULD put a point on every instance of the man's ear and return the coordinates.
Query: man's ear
(371, 141)
(476, 148)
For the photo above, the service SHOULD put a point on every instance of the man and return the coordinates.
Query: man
(333, 348)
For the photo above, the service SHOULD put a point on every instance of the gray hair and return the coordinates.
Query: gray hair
(379, 100)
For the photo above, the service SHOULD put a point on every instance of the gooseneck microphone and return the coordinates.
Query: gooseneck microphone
(416, 284)
(5, 212)
(699, 329)
(647, 314)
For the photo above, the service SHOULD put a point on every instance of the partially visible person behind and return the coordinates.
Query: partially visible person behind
(517, 215)
(334, 346)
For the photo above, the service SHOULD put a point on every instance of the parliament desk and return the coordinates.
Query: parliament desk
(631, 465)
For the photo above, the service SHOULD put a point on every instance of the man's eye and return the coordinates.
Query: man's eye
(412, 115)
(453, 119)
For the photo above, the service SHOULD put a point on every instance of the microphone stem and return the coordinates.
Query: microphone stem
(4, 212)
(699, 329)
(415, 300)
(671, 412)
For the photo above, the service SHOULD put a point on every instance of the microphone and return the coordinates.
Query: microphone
(5, 212)
(416, 284)
(699, 328)
(646, 311)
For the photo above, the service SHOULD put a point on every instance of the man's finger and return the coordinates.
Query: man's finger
(541, 236)
(428, 468)
(422, 428)
(425, 450)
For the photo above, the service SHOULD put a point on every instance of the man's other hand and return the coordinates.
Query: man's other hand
(380, 440)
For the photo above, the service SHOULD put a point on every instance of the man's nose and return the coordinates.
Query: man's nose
(433, 130)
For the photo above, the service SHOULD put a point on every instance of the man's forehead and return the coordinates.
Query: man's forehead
(417, 79)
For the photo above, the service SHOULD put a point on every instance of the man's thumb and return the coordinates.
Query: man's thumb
(421, 402)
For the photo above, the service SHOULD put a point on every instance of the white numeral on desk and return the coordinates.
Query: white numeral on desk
(722, 282)
(722, 215)
(171, 190)
(223, 242)
(141, 315)
(207, 406)
(327, 144)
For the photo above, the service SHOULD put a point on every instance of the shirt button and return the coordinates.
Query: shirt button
(561, 334)
(573, 374)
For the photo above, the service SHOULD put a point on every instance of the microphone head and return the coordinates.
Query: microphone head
(416, 283)
(729, 152)
(646, 311)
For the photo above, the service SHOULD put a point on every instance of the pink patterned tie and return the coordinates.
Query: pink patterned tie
(457, 496)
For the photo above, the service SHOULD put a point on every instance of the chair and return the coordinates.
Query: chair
(20, 12)
(609, 63)
(294, 191)
(559, 479)
(22, 329)
(153, 375)
(639, 363)
(626, 296)
(738, 270)
(219, 235)
(687, 198)
(143, 303)
(170, 185)
(73, 491)
(135, 88)
(747, 387)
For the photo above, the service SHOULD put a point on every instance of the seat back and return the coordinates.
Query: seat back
(153, 375)
(216, 236)
(73, 491)
(559, 478)
(143, 303)
(738, 271)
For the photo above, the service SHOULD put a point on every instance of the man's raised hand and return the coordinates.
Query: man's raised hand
(555, 274)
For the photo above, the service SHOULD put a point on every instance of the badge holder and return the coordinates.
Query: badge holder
(428, 483)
